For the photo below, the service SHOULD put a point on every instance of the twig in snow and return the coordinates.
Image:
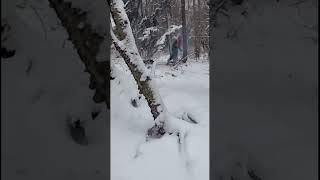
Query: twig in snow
(181, 60)
(30, 65)
(188, 118)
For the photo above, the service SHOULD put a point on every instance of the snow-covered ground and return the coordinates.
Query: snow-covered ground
(185, 89)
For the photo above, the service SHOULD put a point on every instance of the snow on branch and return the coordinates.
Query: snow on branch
(146, 33)
(171, 30)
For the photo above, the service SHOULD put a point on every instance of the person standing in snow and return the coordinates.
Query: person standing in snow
(174, 50)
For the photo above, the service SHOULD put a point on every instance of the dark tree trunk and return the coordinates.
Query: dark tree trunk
(168, 24)
(196, 23)
(184, 31)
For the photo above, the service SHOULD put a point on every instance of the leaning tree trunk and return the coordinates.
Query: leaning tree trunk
(184, 31)
(87, 43)
(124, 42)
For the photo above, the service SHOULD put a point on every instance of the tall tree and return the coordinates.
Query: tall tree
(184, 31)
(168, 16)
(196, 33)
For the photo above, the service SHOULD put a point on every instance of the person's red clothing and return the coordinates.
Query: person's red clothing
(178, 42)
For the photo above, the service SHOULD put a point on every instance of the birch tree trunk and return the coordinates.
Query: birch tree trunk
(124, 42)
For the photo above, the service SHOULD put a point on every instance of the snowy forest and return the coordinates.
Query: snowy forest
(160, 89)
(119, 89)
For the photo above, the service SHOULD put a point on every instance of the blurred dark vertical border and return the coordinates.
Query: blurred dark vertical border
(32, 151)
(264, 100)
